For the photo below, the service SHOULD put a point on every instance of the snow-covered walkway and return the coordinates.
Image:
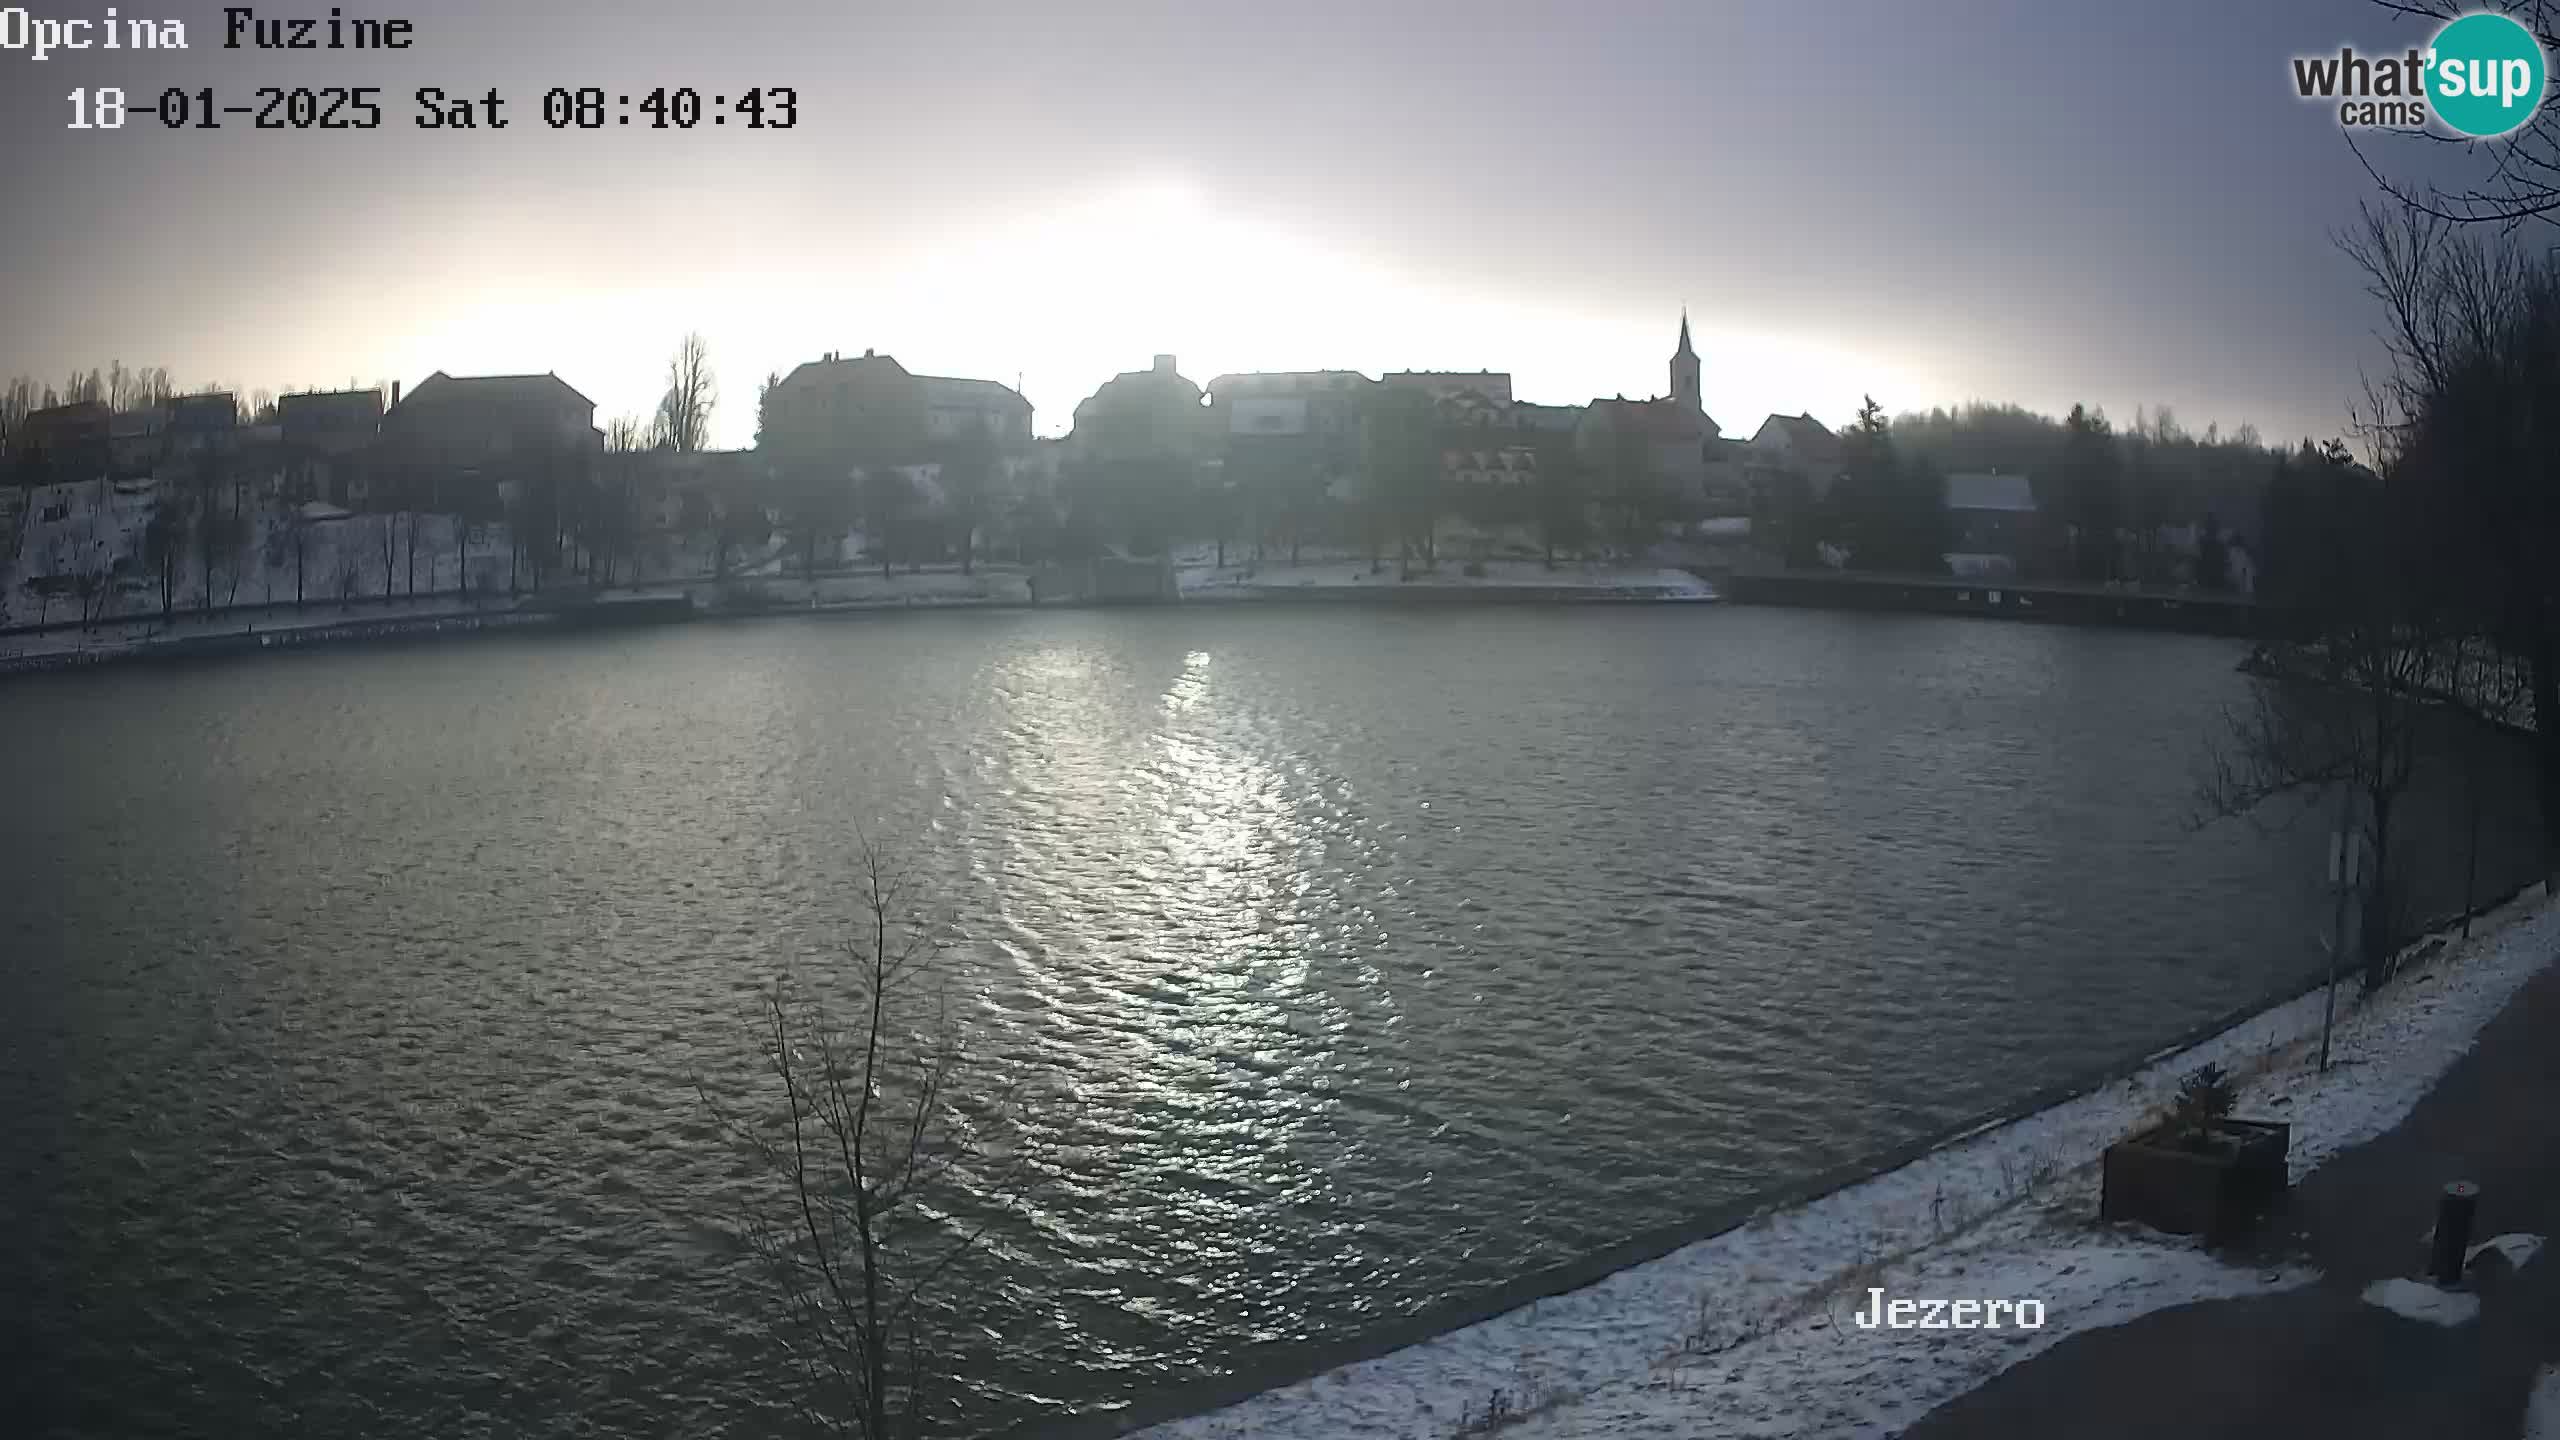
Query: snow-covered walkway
(1749, 1333)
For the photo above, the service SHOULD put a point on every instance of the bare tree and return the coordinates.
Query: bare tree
(17, 402)
(209, 467)
(92, 564)
(624, 438)
(2517, 179)
(301, 554)
(164, 543)
(406, 486)
(237, 529)
(2362, 638)
(684, 414)
(2472, 331)
(878, 1139)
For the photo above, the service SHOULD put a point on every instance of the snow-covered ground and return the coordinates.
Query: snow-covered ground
(1749, 1333)
(1208, 581)
(942, 585)
(95, 527)
(2542, 1407)
(138, 634)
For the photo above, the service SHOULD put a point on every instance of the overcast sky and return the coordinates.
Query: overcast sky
(2040, 201)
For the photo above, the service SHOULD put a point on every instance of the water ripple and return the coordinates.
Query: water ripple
(363, 997)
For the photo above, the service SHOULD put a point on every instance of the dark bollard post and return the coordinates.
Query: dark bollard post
(2453, 1230)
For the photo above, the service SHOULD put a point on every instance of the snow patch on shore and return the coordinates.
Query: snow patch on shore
(1748, 1333)
(1650, 582)
(2542, 1407)
(2418, 1300)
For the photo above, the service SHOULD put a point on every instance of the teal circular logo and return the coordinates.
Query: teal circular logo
(2485, 75)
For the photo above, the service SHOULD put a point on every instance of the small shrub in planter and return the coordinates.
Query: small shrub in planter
(2199, 1172)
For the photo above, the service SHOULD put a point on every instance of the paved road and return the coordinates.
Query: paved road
(2319, 1361)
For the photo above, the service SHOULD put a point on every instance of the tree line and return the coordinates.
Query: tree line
(2421, 586)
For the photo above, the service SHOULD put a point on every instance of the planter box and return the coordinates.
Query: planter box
(2217, 1194)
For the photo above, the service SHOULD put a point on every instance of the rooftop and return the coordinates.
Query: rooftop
(494, 387)
(1991, 490)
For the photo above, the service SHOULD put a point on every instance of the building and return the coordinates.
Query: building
(62, 443)
(1035, 476)
(1545, 419)
(1144, 415)
(1498, 467)
(1670, 434)
(337, 421)
(1789, 460)
(1287, 440)
(136, 439)
(672, 492)
(1480, 400)
(326, 437)
(206, 421)
(1730, 486)
(482, 431)
(476, 420)
(952, 407)
(1799, 444)
(1289, 403)
(1990, 521)
(869, 410)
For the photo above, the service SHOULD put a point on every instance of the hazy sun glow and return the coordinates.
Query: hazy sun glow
(1061, 299)
(1159, 266)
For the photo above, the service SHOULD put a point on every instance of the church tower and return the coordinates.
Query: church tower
(1684, 369)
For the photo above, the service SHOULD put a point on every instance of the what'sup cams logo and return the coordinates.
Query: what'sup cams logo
(2482, 76)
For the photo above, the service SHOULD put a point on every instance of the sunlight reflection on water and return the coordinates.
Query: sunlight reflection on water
(364, 996)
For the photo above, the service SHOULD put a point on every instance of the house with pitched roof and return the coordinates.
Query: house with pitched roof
(1287, 404)
(1799, 443)
(470, 420)
(1991, 519)
(954, 406)
(1150, 414)
(325, 437)
(466, 436)
(1673, 433)
(62, 443)
(855, 410)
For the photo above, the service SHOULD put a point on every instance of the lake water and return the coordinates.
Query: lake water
(358, 1000)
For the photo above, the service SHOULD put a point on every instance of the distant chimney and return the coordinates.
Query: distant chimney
(866, 352)
(395, 392)
(1164, 364)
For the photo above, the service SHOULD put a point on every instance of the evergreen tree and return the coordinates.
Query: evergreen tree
(2213, 555)
(1891, 509)
(1922, 532)
(2088, 487)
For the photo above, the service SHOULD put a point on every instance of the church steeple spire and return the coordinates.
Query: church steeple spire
(1684, 369)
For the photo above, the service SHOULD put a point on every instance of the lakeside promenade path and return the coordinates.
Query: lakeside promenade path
(2320, 1360)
